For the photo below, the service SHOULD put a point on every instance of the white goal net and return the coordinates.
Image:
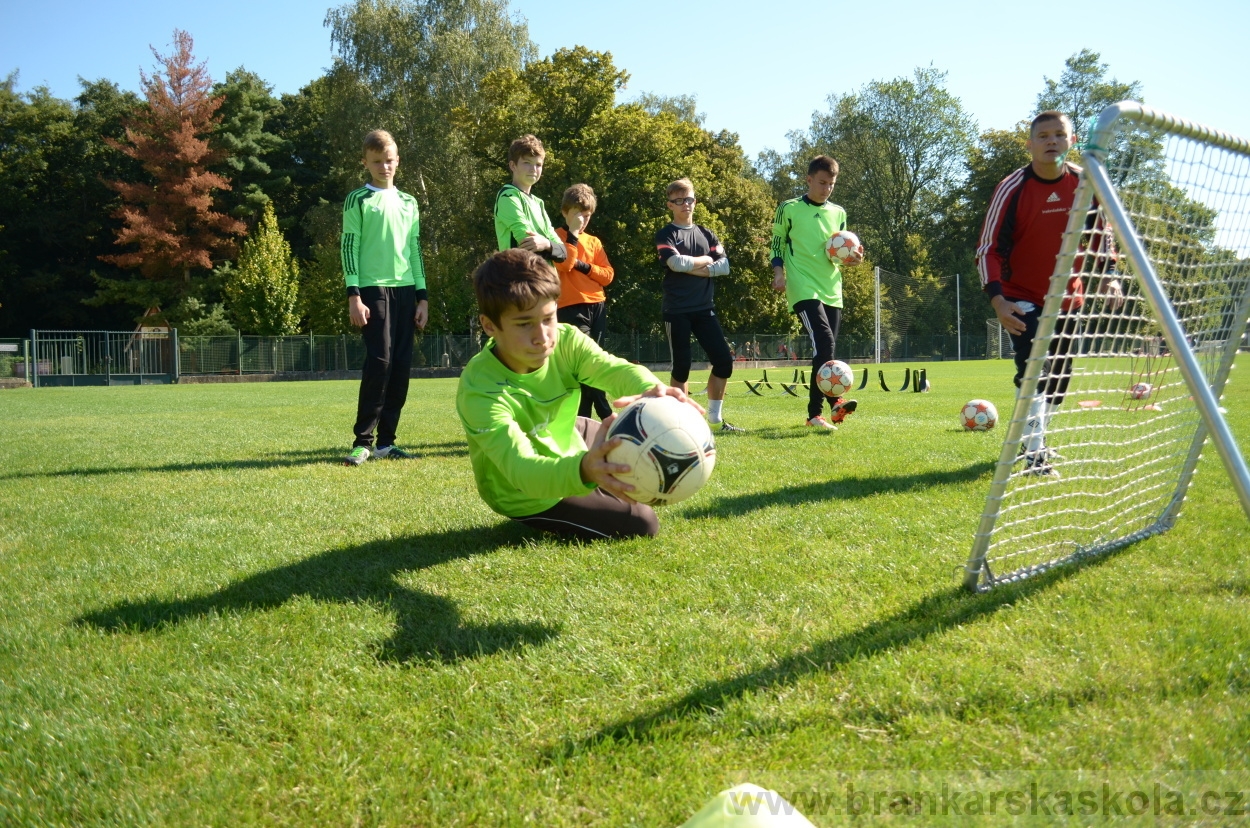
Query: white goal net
(1118, 400)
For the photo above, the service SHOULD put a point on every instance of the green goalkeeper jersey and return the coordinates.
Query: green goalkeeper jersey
(381, 241)
(522, 428)
(517, 214)
(801, 229)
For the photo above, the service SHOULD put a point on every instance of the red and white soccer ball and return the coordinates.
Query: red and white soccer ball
(668, 446)
(1140, 391)
(835, 378)
(978, 415)
(842, 245)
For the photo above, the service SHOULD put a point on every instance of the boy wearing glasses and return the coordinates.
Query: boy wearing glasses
(692, 256)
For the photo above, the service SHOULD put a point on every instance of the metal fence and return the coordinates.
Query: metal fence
(52, 358)
(57, 358)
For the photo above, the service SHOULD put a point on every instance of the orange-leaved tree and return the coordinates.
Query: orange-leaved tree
(172, 232)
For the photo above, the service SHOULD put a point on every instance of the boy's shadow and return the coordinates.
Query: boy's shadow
(428, 627)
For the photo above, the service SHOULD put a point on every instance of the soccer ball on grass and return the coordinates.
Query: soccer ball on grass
(978, 415)
(1140, 391)
(668, 447)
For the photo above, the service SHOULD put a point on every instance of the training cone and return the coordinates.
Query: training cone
(748, 806)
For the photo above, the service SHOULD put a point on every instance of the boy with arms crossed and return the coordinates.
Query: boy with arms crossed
(583, 276)
(1019, 243)
(811, 280)
(692, 256)
(534, 459)
(386, 296)
(520, 217)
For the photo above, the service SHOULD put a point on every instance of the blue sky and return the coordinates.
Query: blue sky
(754, 70)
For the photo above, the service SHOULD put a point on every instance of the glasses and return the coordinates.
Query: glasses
(686, 200)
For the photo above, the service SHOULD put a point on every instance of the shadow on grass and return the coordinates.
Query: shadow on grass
(311, 457)
(930, 616)
(428, 627)
(842, 488)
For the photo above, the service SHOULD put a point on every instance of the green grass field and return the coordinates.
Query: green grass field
(206, 620)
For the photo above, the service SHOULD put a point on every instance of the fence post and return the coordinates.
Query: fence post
(177, 355)
(312, 352)
(239, 341)
(30, 360)
(876, 289)
(959, 325)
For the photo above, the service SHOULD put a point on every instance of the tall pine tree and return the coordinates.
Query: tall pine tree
(263, 291)
(170, 226)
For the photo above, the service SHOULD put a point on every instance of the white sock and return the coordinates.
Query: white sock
(713, 410)
(1035, 425)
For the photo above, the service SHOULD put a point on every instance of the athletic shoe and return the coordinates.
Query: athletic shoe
(727, 428)
(820, 422)
(841, 408)
(393, 453)
(1045, 452)
(358, 456)
(1039, 467)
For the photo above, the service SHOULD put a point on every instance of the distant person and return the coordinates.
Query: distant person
(1019, 243)
(386, 295)
(520, 217)
(583, 275)
(692, 258)
(811, 280)
(534, 459)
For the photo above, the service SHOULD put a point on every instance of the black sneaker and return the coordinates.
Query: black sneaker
(1039, 467)
(727, 428)
(393, 453)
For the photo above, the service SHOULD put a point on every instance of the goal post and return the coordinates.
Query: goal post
(1163, 209)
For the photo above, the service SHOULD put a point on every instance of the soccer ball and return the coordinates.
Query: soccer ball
(835, 378)
(668, 447)
(842, 245)
(1140, 391)
(978, 415)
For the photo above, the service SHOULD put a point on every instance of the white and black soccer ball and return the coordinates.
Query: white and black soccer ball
(835, 378)
(667, 445)
(978, 415)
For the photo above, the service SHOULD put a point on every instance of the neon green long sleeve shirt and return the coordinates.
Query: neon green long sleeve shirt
(801, 228)
(381, 241)
(523, 441)
(518, 214)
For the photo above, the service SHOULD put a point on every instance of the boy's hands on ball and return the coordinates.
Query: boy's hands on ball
(856, 257)
(657, 390)
(597, 469)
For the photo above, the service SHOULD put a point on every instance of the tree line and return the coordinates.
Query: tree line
(219, 202)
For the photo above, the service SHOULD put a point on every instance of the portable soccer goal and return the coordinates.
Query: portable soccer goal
(1163, 208)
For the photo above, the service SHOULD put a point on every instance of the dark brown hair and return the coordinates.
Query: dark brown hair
(822, 163)
(526, 145)
(1051, 115)
(513, 278)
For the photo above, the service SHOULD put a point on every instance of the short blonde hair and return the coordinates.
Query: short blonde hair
(681, 185)
(378, 140)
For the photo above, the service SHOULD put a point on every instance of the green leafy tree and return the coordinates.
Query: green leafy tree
(168, 216)
(322, 292)
(901, 144)
(55, 210)
(247, 108)
(263, 291)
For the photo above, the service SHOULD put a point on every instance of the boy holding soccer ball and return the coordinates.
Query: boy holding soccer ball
(534, 459)
(811, 279)
(1019, 243)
